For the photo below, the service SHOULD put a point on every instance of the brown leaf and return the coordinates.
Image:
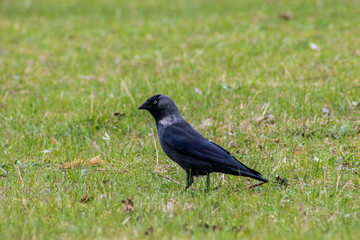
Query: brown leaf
(149, 231)
(96, 160)
(212, 227)
(119, 115)
(80, 162)
(76, 163)
(86, 198)
(283, 182)
(128, 205)
(286, 16)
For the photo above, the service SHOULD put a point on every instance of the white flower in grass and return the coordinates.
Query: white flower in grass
(47, 150)
(198, 91)
(106, 136)
(315, 47)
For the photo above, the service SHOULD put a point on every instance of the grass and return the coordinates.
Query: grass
(280, 106)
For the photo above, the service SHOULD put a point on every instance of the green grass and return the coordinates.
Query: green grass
(67, 66)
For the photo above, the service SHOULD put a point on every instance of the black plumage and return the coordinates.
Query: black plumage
(187, 147)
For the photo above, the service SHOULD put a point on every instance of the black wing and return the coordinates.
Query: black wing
(195, 145)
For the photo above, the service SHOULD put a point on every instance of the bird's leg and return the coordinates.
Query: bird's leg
(189, 180)
(207, 182)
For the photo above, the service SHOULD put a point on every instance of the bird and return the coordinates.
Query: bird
(188, 148)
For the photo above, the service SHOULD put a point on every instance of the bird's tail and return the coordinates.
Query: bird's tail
(248, 172)
(255, 175)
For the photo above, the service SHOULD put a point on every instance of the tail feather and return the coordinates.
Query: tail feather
(254, 176)
(248, 172)
(242, 171)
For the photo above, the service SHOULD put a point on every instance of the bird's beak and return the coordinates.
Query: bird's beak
(143, 106)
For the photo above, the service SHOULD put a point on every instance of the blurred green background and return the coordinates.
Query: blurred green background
(274, 82)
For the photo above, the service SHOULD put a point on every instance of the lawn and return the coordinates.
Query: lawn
(277, 83)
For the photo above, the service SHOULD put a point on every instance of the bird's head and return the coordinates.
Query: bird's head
(160, 106)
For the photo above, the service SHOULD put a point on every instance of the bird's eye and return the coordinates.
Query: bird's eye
(155, 102)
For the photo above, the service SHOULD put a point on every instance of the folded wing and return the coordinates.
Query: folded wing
(199, 147)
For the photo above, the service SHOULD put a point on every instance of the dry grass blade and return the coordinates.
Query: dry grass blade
(21, 179)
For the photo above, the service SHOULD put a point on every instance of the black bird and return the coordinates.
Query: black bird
(184, 145)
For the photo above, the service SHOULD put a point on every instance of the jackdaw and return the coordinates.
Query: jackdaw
(187, 147)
